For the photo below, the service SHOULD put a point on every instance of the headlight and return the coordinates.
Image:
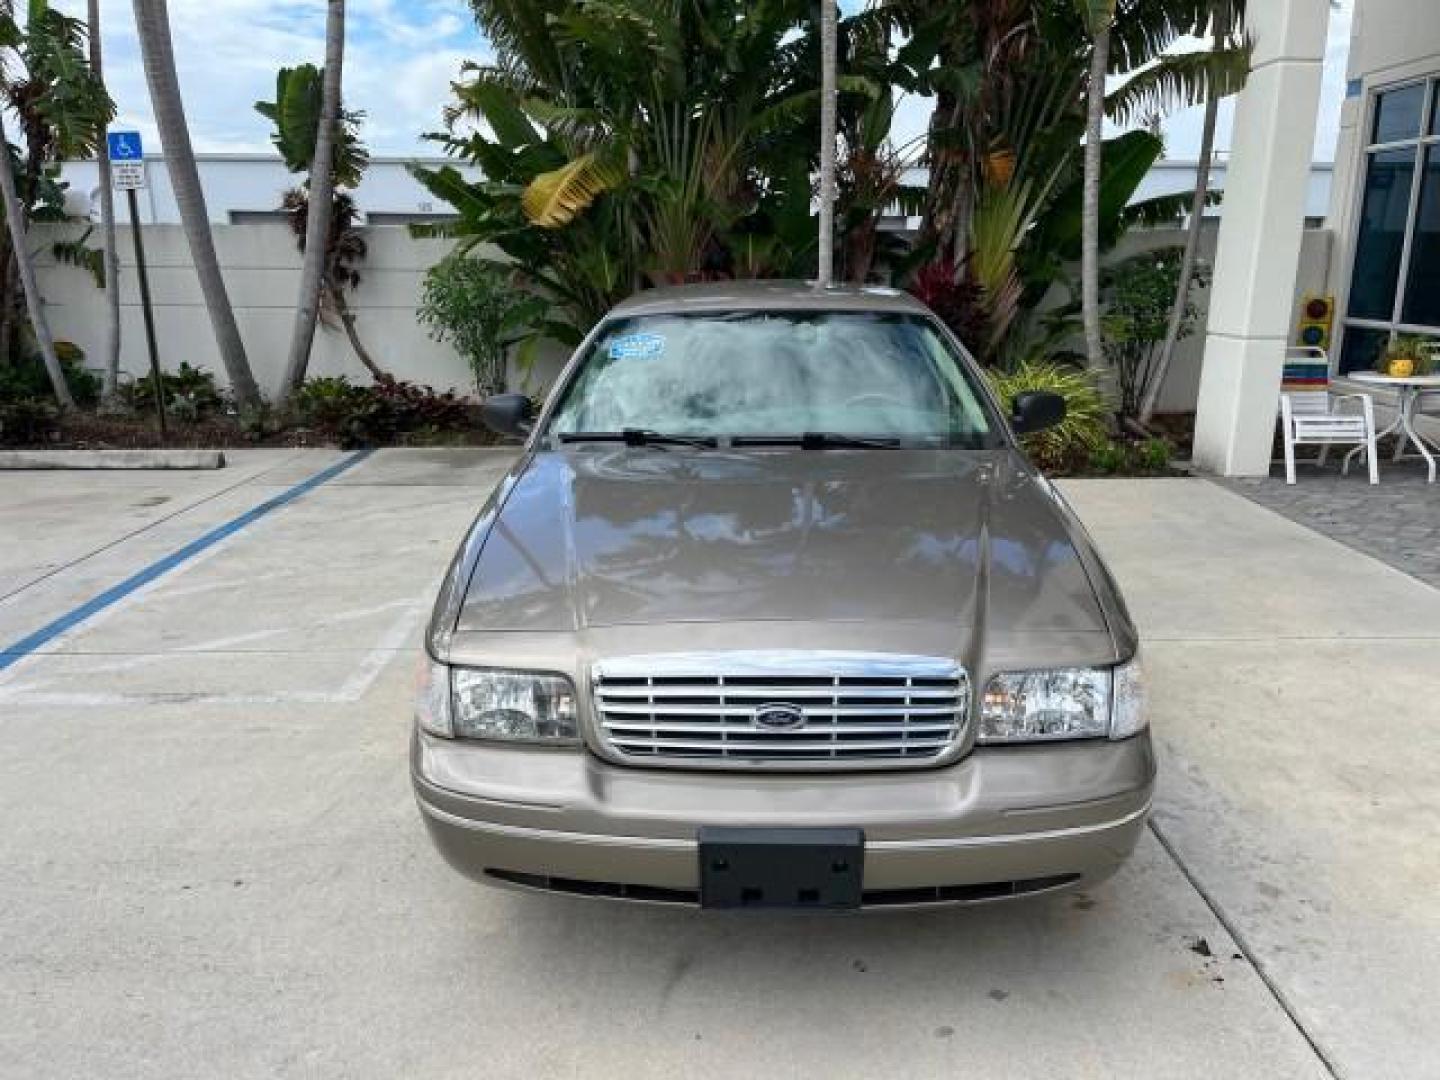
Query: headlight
(477, 703)
(512, 705)
(1065, 703)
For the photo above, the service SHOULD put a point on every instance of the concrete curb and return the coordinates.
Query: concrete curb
(111, 459)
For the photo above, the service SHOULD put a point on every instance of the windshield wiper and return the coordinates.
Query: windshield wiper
(821, 440)
(640, 437)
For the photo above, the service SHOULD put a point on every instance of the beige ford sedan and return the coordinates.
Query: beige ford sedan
(772, 612)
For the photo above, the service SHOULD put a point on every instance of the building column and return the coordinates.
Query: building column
(1261, 227)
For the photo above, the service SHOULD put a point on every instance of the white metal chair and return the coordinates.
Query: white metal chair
(1310, 413)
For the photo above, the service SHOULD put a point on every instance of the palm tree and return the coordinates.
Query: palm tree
(321, 191)
(61, 107)
(152, 21)
(1225, 17)
(828, 64)
(111, 355)
(296, 113)
(344, 252)
(15, 221)
(1099, 17)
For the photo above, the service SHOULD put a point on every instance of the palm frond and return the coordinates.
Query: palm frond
(1179, 81)
(556, 198)
(77, 253)
(1164, 209)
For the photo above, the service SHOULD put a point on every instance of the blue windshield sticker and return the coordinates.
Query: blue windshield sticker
(637, 347)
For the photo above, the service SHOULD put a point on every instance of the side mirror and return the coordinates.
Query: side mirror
(1036, 410)
(508, 414)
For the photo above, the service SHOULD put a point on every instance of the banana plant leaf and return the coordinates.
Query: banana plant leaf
(1126, 160)
(557, 197)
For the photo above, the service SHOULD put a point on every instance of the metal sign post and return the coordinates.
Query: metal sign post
(127, 169)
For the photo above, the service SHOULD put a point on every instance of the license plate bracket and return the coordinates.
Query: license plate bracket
(820, 869)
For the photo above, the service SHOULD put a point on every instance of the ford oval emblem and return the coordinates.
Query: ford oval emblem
(779, 717)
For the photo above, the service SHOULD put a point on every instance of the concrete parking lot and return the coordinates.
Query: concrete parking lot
(213, 865)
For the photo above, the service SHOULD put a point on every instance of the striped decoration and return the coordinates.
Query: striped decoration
(1303, 376)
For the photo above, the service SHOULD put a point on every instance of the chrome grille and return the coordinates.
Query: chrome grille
(847, 709)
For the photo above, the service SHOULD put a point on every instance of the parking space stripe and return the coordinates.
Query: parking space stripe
(174, 513)
(16, 652)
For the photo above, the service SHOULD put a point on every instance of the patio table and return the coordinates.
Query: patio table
(1409, 387)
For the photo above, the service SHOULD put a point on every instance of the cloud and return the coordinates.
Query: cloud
(400, 57)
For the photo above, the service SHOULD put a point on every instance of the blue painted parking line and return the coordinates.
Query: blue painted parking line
(16, 652)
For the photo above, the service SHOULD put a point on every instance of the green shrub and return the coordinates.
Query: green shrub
(26, 378)
(1121, 457)
(381, 413)
(1139, 296)
(190, 393)
(27, 420)
(1083, 431)
(1108, 458)
(476, 305)
(326, 402)
(1153, 455)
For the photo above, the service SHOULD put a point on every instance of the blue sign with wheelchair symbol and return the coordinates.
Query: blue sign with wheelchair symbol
(124, 146)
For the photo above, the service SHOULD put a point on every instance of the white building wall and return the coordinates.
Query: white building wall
(261, 266)
(1182, 384)
(262, 271)
(239, 184)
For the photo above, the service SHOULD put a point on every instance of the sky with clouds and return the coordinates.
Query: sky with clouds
(400, 58)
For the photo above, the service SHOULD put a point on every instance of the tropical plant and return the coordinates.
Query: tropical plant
(627, 142)
(391, 410)
(153, 26)
(1138, 294)
(28, 420)
(1069, 444)
(296, 114)
(60, 106)
(26, 377)
(478, 307)
(78, 252)
(1006, 145)
(873, 168)
(190, 393)
(1226, 19)
(325, 402)
(958, 304)
(311, 127)
(345, 251)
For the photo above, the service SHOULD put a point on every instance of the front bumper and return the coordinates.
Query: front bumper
(1003, 821)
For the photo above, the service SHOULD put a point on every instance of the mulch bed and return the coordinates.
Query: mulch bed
(90, 431)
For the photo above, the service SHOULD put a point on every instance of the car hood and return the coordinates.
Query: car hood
(597, 536)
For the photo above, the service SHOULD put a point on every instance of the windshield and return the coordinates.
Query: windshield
(775, 373)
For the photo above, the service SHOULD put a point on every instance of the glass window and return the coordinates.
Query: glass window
(1381, 239)
(1362, 349)
(1398, 112)
(1435, 112)
(1422, 291)
(776, 373)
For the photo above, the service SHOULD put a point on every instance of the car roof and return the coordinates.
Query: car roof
(767, 296)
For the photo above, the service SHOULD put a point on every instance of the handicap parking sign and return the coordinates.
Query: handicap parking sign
(127, 159)
(124, 146)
